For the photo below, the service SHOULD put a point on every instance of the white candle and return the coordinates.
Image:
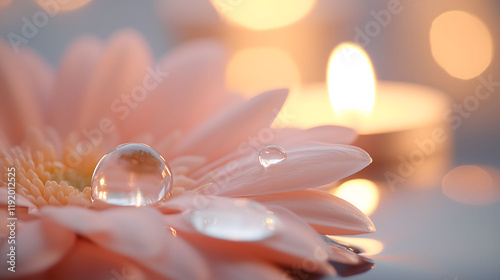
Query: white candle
(401, 125)
(354, 99)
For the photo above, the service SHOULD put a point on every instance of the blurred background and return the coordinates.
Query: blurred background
(437, 215)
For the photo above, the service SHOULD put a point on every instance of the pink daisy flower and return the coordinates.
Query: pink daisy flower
(226, 214)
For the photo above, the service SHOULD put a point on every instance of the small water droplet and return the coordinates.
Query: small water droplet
(240, 220)
(131, 175)
(271, 155)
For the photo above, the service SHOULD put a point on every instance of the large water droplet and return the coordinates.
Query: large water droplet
(131, 175)
(239, 220)
(271, 155)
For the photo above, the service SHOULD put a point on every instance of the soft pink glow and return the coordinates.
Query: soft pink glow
(470, 184)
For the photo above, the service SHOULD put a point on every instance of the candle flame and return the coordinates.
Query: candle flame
(351, 83)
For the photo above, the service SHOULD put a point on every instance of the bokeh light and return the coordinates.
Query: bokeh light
(263, 14)
(461, 44)
(361, 193)
(470, 184)
(253, 70)
(4, 3)
(68, 5)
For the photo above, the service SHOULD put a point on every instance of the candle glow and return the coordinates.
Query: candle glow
(253, 70)
(351, 84)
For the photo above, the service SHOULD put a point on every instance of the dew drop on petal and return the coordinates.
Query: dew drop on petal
(131, 175)
(240, 220)
(271, 155)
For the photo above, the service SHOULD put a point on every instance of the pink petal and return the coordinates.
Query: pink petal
(326, 213)
(137, 233)
(343, 255)
(187, 162)
(217, 164)
(224, 133)
(75, 72)
(348, 263)
(286, 138)
(180, 261)
(39, 245)
(329, 134)
(41, 77)
(19, 108)
(305, 167)
(21, 201)
(244, 269)
(134, 232)
(312, 249)
(89, 261)
(193, 90)
(293, 244)
(121, 69)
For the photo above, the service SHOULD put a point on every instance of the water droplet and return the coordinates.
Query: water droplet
(131, 175)
(239, 220)
(271, 155)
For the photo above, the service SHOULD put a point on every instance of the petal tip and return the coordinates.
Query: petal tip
(371, 227)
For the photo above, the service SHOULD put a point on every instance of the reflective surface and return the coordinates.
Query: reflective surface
(271, 155)
(224, 220)
(426, 235)
(131, 175)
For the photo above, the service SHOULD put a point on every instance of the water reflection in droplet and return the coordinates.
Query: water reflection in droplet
(238, 220)
(131, 175)
(271, 155)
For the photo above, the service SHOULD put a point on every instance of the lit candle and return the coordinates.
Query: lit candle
(400, 125)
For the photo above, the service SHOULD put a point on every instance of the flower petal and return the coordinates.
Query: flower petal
(244, 269)
(74, 74)
(134, 232)
(234, 127)
(348, 263)
(40, 244)
(123, 67)
(21, 201)
(295, 243)
(187, 162)
(89, 261)
(328, 134)
(177, 102)
(41, 77)
(305, 167)
(326, 213)
(19, 108)
(137, 233)
(286, 138)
